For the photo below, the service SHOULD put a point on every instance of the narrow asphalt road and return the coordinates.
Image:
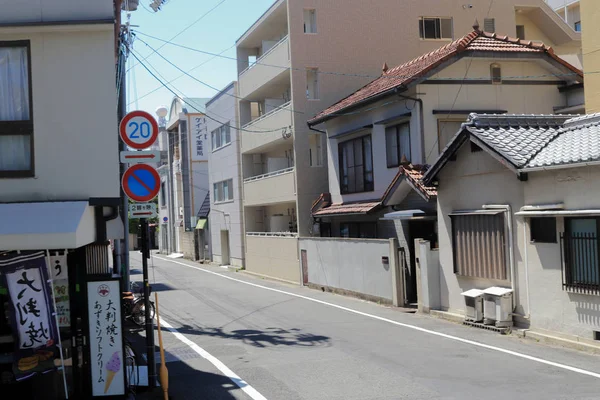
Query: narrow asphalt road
(232, 336)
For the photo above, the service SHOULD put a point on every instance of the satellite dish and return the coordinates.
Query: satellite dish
(162, 111)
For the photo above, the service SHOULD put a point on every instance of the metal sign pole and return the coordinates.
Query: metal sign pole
(149, 322)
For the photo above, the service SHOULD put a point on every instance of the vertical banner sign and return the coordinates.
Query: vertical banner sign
(199, 138)
(60, 283)
(106, 341)
(31, 313)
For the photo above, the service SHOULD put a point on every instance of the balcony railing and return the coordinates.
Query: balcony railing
(262, 57)
(268, 175)
(580, 263)
(273, 234)
(267, 115)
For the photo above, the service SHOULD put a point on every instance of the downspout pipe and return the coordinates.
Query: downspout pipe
(511, 252)
(421, 122)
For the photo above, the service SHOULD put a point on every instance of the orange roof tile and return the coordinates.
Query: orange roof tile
(350, 208)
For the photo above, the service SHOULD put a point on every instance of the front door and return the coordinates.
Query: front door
(224, 247)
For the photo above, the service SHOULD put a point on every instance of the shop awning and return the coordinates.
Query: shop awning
(52, 225)
(406, 214)
(201, 223)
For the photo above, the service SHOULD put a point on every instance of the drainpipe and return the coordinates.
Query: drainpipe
(525, 245)
(511, 253)
(421, 123)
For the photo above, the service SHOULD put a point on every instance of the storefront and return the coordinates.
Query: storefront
(57, 340)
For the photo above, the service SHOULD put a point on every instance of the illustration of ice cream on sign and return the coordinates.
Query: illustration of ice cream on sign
(112, 368)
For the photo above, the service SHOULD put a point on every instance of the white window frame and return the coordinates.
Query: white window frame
(221, 136)
(422, 34)
(221, 189)
(310, 21)
(315, 83)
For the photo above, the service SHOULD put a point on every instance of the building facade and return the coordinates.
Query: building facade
(299, 58)
(225, 167)
(591, 55)
(59, 182)
(569, 10)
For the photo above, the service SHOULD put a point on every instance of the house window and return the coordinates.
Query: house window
(356, 165)
(543, 230)
(489, 25)
(16, 120)
(577, 26)
(496, 73)
(521, 32)
(163, 194)
(446, 131)
(397, 144)
(310, 21)
(221, 136)
(581, 269)
(435, 28)
(479, 245)
(223, 191)
(316, 150)
(312, 83)
(363, 230)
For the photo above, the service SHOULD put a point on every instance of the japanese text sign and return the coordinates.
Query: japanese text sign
(32, 315)
(106, 340)
(199, 138)
(60, 283)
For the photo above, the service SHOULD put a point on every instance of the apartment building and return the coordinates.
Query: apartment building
(569, 10)
(302, 56)
(224, 164)
(188, 148)
(591, 55)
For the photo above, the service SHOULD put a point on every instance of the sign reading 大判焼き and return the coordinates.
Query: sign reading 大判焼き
(106, 338)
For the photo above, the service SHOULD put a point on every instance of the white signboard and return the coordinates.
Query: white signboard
(60, 283)
(26, 288)
(199, 138)
(106, 341)
(137, 157)
(142, 210)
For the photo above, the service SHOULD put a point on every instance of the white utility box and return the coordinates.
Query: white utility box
(497, 306)
(473, 305)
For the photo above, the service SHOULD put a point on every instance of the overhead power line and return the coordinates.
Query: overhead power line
(206, 84)
(282, 129)
(394, 76)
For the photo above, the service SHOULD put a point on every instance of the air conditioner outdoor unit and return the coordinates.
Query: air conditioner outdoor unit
(473, 305)
(497, 308)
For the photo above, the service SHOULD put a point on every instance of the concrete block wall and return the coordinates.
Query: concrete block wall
(187, 243)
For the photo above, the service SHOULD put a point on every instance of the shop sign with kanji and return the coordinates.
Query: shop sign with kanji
(199, 138)
(106, 338)
(32, 315)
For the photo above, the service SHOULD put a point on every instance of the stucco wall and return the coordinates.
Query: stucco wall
(15, 11)
(187, 243)
(350, 264)
(225, 163)
(473, 180)
(275, 257)
(590, 12)
(74, 117)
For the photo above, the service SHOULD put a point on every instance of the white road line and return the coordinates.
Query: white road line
(417, 328)
(242, 384)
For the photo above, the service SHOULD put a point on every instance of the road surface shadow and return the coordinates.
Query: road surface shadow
(260, 338)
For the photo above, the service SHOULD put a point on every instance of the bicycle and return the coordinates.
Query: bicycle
(134, 307)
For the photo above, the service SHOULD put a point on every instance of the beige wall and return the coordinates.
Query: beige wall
(276, 257)
(275, 189)
(18, 11)
(591, 44)
(74, 117)
(476, 179)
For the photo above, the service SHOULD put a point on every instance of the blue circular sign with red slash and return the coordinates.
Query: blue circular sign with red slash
(141, 183)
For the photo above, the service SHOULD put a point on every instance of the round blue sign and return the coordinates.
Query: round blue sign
(165, 219)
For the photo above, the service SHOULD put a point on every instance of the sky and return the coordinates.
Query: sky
(214, 33)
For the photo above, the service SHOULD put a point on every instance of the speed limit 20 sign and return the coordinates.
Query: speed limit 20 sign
(138, 130)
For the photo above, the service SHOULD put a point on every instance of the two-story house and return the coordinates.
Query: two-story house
(301, 56)
(59, 175)
(381, 138)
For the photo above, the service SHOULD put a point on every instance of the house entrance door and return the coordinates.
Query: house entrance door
(417, 230)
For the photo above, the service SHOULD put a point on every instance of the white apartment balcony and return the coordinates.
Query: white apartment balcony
(272, 188)
(267, 68)
(277, 125)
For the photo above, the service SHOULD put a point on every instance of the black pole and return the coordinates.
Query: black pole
(149, 323)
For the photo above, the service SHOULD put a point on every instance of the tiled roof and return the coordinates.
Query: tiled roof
(577, 142)
(418, 68)
(529, 142)
(363, 207)
(517, 138)
(415, 176)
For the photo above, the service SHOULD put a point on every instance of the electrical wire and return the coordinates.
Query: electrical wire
(182, 75)
(188, 27)
(206, 84)
(196, 108)
(392, 76)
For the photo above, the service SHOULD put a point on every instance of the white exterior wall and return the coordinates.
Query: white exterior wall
(225, 163)
(74, 115)
(26, 11)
